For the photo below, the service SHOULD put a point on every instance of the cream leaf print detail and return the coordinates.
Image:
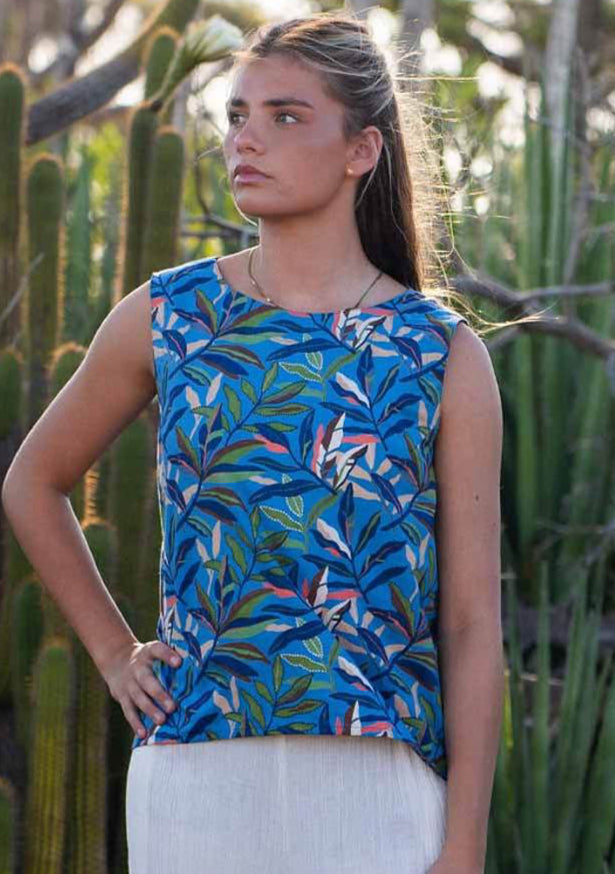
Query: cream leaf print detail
(331, 534)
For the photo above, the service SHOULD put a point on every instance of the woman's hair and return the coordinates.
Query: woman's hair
(400, 202)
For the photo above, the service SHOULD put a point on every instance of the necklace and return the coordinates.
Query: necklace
(268, 299)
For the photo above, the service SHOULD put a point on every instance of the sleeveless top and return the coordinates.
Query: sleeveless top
(297, 498)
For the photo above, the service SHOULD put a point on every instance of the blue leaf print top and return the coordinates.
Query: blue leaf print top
(297, 497)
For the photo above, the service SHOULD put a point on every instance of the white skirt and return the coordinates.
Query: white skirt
(276, 804)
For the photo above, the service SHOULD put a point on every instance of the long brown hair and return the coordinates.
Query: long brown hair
(401, 201)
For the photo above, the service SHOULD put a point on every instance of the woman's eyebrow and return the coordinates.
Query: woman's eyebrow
(273, 101)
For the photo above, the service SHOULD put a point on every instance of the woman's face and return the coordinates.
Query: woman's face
(300, 147)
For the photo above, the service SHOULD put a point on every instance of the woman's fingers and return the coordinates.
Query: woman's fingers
(165, 653)
(133, 683)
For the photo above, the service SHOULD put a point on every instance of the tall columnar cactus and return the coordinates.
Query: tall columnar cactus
(159, 56)
(26, 634)
(8, 827)
(142, 132)
(12, 98)
(11, 370)
(45, 209)
(131, 484)
(142, 129)
(164, 202)
(87, 837)
(14, 562)
(77, 277)
(49, 756)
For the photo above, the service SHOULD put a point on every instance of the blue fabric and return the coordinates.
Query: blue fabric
(297, 495)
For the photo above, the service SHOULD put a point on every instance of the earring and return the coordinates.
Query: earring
(349, 171)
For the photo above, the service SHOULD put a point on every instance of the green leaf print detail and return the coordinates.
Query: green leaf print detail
(186, 447)
(278, 673)
(242, 650)
(413, 722)
(286, 392)
(295, 505)
(314, 645)
(247, 629)
(208, 606)
(248, 389)
(293, 502)
(305, 662)
(199, 375)
(334, 651)
(238, 352)
(303, 707)
(288, 410)
(223, 494)
(237, 552)
(298, 688)
(314, 358)
(402, 605)
(200, 524)
(245, 607)
(431, 390)
(303, 371)
(320, 507)
(281, 517)
(263, 691)
(206, 307)
(301, 726)
(228, 455)
(336, 365)
(234, 403)
(255, 709)
(270, 377)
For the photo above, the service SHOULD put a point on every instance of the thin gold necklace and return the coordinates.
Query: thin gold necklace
(268, 299)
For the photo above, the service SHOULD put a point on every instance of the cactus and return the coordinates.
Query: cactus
(8, 827)
(45, 205)
(27, 627)
(75, 310)
(12, 97)
(11, 364)
(164, 203)
(142, 130)
(88, 839)
(130, 484)
(48, 768)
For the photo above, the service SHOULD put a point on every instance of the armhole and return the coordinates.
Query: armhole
(451, 321)
(157, 303)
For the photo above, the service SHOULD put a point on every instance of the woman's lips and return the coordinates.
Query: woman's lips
(249, 176)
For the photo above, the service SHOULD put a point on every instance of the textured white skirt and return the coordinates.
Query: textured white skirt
(283, 804)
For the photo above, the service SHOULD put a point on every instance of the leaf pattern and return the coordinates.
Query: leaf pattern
(297, 495)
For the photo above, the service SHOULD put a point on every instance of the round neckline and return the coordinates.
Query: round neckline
(410, 291)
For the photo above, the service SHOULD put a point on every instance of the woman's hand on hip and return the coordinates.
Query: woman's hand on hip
(132, 683)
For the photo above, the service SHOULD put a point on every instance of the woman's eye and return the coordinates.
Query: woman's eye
(233, 115)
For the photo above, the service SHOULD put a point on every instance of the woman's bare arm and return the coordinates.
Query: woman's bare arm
(467, 460)
(113, 384)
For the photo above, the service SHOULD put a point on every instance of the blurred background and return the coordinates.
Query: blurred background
(111, 119)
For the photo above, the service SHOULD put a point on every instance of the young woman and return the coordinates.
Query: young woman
(336, 701)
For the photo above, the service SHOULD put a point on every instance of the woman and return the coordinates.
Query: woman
(301, 389)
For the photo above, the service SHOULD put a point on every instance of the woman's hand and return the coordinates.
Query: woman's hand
(132, 682)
